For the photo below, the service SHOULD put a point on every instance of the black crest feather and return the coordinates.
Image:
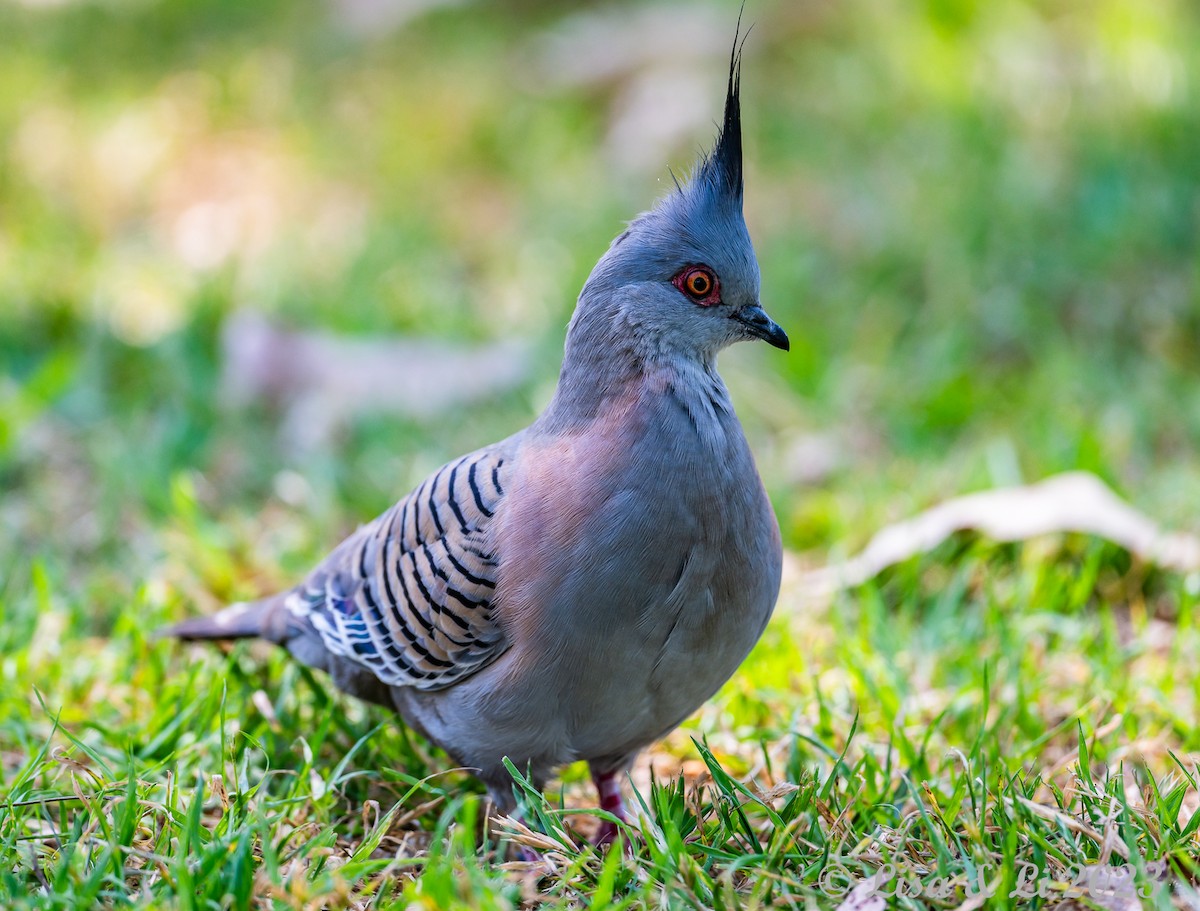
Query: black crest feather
(723, 168)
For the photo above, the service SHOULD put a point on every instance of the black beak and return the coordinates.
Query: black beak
(755, 318)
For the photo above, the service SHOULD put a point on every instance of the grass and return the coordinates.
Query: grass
(978, 224)
(977, 720)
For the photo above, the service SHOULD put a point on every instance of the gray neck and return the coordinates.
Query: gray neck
(606, 358)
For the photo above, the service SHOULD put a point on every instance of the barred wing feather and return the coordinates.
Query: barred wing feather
(410, 595)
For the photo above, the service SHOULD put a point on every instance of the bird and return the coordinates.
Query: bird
(577, 590)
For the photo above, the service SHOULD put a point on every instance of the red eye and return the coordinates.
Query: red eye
(699, 283)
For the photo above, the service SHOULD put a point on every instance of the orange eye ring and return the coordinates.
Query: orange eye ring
(700, 284)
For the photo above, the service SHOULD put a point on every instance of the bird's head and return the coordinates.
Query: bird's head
(683, 278)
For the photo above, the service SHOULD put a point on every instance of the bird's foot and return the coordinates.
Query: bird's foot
(606, 834)
(608, 786)
(529, 855)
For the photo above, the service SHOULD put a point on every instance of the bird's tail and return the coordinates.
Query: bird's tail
(266, 619)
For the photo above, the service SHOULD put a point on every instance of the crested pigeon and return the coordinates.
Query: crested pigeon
(575, 591)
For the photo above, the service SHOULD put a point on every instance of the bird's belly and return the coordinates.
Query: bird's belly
(648, 681)
(600, 699)
(602, 691)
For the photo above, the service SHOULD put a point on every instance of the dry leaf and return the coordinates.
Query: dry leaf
(864, 897)
(1073, 502)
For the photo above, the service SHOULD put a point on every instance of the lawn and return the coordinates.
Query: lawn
(980, 225)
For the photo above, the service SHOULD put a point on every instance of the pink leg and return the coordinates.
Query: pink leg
(530, 855)
(608, 785)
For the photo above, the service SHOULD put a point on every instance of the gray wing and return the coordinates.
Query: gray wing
(409, 596)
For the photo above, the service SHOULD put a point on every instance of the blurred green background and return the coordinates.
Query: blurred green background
(977, 221)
